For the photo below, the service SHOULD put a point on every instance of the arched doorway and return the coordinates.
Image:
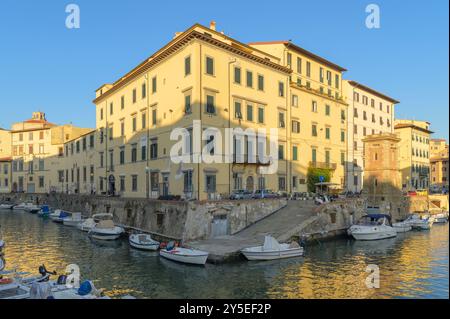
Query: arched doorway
(249, 184)
(111, 185)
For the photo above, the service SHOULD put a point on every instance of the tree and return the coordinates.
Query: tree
(313, 177)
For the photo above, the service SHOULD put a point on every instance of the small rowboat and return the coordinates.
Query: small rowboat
(185, 255)
(272, 250)
(143, 241)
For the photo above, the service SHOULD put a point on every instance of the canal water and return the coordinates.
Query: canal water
(413, 265)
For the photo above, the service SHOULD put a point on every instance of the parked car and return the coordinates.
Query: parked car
(265, 193)
(241, 194)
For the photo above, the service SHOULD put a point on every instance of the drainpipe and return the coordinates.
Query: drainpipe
(201, 124)
(229, 117)
(105, 154)
(147, 167)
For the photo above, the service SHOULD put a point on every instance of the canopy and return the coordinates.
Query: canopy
(378, 216)
(271, 243)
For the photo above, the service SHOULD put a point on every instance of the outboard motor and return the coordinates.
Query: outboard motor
(62, 279)
(44, 272)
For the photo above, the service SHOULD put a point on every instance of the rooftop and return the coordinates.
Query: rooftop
(372, 91)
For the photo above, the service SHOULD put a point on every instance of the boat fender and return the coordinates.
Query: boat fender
(85, 288)
(162, 245)
(6, 281)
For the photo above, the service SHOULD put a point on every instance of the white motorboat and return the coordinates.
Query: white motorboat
(403, 226)
(184, 255)
(441, 218)
(424, 222)
(373, 227)
(23, 206)
(86, 225)
(143, 241)
(6, 206)
(106, 230)
(33, 209)
(73, 220)
(272, 249)
(59, 215)
(2, 259)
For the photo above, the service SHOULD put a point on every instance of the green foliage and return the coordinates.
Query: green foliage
(313, 177)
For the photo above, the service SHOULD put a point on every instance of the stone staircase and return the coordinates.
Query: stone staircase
(282, 225)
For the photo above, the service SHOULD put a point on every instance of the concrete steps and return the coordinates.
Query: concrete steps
(281, 225)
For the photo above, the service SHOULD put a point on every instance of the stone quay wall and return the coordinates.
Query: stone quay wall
(179, 220)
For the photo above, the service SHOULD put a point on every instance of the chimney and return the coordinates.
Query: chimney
(212, 25)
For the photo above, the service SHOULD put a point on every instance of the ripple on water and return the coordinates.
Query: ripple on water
(413, 265)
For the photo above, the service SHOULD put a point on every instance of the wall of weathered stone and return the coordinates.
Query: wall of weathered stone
(166, 219)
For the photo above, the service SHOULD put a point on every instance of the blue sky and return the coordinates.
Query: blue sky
(45, 66)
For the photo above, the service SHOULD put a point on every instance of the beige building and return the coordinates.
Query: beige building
(414, 160)
(382, 177)
(316, 113)
(203, 75)
(370, 112)
(439, 163)
(5, 161)
(37, 147)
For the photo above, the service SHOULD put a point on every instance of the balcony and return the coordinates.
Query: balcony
(324, 165)
(245, 160)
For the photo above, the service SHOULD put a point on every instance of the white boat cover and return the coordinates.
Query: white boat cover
(271, 243)
(105, 224)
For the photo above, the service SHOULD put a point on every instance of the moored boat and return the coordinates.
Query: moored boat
(143, 241)
(184, 255)
(73, 220)
(23, 206)
(373, 227)
(424, 222)
(106, 230)
(58, 216)
(272, 249)
(6, 206)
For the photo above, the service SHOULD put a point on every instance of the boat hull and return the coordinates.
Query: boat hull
(71, 223)
(182, 258)
(150, 247)
(106, 234)
(372, 232)
(272, 255)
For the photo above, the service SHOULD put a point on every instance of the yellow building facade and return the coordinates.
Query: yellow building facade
(5, 161)
(439, 163)
(203, 75)
(37, 149)
(370, 113)
(414, 148)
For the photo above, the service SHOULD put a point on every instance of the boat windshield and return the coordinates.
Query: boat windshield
(368, 220)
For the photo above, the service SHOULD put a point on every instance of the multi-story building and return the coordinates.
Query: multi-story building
(414, 147)
(316, 113)
(5, 161)
(203, 75)
(439, 163)
(370, 112)
(37, 147)
(76, 170)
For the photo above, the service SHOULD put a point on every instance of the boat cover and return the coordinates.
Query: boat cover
(63, 214)
(271, 243)
(105, 224)
(40, 290)
(45, 209)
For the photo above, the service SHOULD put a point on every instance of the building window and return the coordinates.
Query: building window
(41, 135)
(91, 141)
(187, 104)
(134, 183)
(210, 107)
(299, 65)
(154, 149)
(144, 90)
(134, 153)
(237, 75)
(122, 102)
(122, 184)
(261, 115)
(41, 181)
(249, 112)
(134, 123)
(237, 110)
(342, 136)
(327, 157)
(249, 79)
(210, 183)
(144, 120)
(314, 106)
(281, 152)
(336, 81)
(111, 108)
(122, 155)
(308, 69)
(327, 110)
(143, 152)
(280, 89)
(295, 126)
(154, 84)
(314, 130)
(154, 116)
(342, 158)
(294, 100)
(314, 155)
(188, 181)
(260, 82)
(134, 96)
(282, 183)
(281, 122)
(209, 65)
(154, 181)
(289, 59)
(294, 153)
(122, 128)
(187, 65)
(327, 133)
(321, 75)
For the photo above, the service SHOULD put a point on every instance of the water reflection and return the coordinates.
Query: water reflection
(414, 264)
